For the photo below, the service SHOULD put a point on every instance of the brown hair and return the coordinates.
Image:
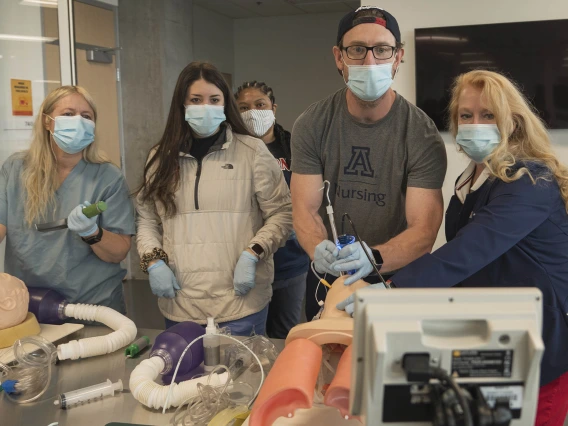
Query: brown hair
(161, 174)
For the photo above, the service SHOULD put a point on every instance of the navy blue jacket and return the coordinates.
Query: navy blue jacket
(290, 260)
(507, 235)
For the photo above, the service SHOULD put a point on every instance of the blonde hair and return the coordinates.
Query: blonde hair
(40, 174)
(523, 134)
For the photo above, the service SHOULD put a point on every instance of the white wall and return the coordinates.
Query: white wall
(292, 54)
(213, 39)
(412, 14)
(18, 60)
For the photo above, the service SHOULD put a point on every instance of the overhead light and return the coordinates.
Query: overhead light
(40, 3)
(47, 81)
(13, 37)
(442, 38)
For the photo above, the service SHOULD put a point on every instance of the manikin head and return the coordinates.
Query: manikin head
(14, 300)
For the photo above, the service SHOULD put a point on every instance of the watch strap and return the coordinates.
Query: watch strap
(377, 258)
(95, 238)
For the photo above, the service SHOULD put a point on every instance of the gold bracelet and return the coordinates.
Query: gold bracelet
(156, 253)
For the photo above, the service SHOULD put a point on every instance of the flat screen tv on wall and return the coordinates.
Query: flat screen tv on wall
(533, 54)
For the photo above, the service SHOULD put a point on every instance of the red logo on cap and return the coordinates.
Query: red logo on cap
(381, 21)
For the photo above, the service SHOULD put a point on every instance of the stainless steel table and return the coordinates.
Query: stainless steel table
(72, 375)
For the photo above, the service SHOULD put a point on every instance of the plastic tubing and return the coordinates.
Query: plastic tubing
(31, 363)
(201, 337)
(125, 332)
(203, 407)
(153, 395)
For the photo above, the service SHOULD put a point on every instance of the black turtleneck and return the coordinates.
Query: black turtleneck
(200, 147)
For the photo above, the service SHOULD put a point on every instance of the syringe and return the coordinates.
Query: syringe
(88, 394)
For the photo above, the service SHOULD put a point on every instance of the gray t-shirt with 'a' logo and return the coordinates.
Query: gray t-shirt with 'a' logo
(369, 165)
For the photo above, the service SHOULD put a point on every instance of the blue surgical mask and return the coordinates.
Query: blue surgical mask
(205, 119)
(370, 82)
(478, 140)
(73, 134)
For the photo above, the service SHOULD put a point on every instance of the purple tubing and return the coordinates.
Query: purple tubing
(46, 304)
(170, 344)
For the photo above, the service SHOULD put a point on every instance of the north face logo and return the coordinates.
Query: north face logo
(227, 166)
(359, 164)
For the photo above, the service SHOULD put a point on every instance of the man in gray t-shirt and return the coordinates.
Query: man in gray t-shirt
(383, 156)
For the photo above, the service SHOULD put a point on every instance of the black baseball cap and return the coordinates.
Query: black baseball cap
(349, 21)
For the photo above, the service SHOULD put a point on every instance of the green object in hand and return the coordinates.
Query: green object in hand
(90, 211)
(95, 209)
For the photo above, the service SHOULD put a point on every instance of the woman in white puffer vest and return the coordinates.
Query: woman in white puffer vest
(212, 210)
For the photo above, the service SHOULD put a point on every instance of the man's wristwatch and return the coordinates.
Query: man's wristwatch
(257, 249)
(95, 238)
(377, 258)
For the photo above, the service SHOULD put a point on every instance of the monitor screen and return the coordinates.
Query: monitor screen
(533, 54)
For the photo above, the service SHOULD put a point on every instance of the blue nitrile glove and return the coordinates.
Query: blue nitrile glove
(352, 257)
(348, 305)
(81, 224)
(245, 272)
(324, 256)
(162, 280)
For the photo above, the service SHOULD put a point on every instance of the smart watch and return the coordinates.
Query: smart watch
(95, 238)
(257, 249)
(377, 258)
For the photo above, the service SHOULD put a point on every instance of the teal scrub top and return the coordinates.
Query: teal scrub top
(60, 259)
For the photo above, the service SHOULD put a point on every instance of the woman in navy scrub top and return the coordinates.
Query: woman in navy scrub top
(507, 224)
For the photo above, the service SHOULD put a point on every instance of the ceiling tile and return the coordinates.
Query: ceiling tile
(230, 9)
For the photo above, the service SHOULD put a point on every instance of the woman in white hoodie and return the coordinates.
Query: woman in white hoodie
(212, 210)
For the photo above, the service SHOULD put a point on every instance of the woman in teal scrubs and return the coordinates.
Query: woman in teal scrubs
(62, 172)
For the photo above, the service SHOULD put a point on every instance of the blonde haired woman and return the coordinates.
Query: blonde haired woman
(507, 224)
(62, 172)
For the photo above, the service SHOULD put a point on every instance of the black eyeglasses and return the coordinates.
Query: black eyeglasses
(379, 52)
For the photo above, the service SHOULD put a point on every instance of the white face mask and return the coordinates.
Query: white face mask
(205, 119)
(73, 134)
(478, 140)
(369, 82)
(258, 121)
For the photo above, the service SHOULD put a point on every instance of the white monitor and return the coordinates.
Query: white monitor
(485, 336)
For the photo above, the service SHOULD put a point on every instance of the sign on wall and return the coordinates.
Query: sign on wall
(21, 97)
